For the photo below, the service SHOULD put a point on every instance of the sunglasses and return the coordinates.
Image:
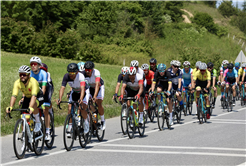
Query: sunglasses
(71, 73)
(202, 70)
(146, 70)
(162, 71)
(89, 70)
(152, 63)
(176, 66)
(224, 65)
(23, 74)
(186, 66)
(209, 67)
(34, 63)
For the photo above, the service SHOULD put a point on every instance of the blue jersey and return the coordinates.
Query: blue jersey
(41, 77)
(187, 77)
(231, 75)
(234, 68)
(175, 76)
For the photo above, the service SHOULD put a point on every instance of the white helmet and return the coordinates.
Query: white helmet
(172, 62)
(36, 59)
(244, 65)
(134, 63)
(24, 69)
(124, 70)
(225, 62)
(203, 66)
(186, 63)
(81, 66)
(132, 71)
(198, 63)
(177, 63)
(145, 66)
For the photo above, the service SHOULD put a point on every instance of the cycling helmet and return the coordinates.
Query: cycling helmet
(132, 71)
(89, 65)
(44, 67)
(36, 59)
(186, 63)
(81, 66)
(230, 66)
(244, 65)
(145, 66)
(24, 69)
(237, 64)
(203, 66)
(210, 64)
(152, 60)
(172, 62)
(198, 63)
(72, 67)
(177, 63)
(161, 67)
(124, 70)
(134, 63)
(225, 62)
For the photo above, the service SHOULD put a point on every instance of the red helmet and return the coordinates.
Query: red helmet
(132, 71)
(44, 67)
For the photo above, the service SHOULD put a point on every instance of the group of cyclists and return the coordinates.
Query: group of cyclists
(86, 82)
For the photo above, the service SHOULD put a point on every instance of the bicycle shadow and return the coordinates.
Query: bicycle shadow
(45, 148)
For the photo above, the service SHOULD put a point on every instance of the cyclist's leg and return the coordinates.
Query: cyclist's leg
(47, 103)
(234, 92)
(38, 103)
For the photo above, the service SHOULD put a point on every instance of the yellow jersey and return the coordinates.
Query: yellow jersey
(240, 71)
(202, 77)
(194, 71)
(32, 88)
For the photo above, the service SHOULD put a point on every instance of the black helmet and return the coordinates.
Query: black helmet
(152, 60)
(230, 66)
(210, 64)
(72, 67)
(89, 65)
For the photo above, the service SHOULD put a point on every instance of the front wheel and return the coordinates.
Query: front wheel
(68, 133)
(123, 118)
(50, 143)
(141, 128)
(83, 138)
(199, 111)
(99, 132)
(19, 139)
(38, 139)
(130, 123)
(161, 116)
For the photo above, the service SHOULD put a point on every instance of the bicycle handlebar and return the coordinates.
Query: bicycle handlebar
(72, 102)
(9, 114)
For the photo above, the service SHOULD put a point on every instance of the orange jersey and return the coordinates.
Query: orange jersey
(149, 78)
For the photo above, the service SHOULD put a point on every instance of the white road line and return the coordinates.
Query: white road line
(175, 147)
(230, 123)
(165, 152)
(227, 120)
(113, 140)
(243, 164)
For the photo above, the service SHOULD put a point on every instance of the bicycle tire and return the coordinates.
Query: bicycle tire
(145, 115)
(99, 133)
(229, 100)
(167, 119)
(242, 98)
(38, 150)
(50, 143)
(18, 137)
(204, 115)
(83, 138)
(68, 145)
(152, 113)
(90, 128)
(123, 118)
(161, 116)
(130, 123)
(199, 111)
(141, 128)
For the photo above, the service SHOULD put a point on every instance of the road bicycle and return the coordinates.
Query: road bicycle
(24, 137)
(69, 135)
(133, 119)
(162, 113)
(149, 107)
(176, 107)
(123, 116)
(201, 108)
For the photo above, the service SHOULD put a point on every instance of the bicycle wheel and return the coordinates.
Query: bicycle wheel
(145, 115)
(242, 99)
(151, 113)
(100, 133)
(204, 113)
(83, 138)
(167, 119)
(38, 140)
(19, 139)
(229, 100)
(161, 116)
(50, 143)
(199, 111)
(130, 123)
(141, 128)
(90, 128)
(190, 104)
(68, 135)
(123, 118)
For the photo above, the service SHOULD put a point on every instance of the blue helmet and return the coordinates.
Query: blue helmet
(81, 66)
(237, 64)
(161, 67)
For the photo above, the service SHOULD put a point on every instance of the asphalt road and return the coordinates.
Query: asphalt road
(221, 141)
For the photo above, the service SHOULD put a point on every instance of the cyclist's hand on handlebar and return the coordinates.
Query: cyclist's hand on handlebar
(80, 101)
(114, 96)
(94, 99)
(8, 109)
(120, 98)
(137, 97)
(206, 90)
(168, 93)
(58, 102)
(193, 90)
(30, 110)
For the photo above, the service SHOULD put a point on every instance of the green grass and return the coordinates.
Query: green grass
(10, 63)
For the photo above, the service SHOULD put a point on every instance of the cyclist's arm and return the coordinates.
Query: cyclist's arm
(96, 89)
(33, 100)
(117, 87)
(123, 89)
(242, 77)
(169, 86)
(140, 84)
(44, 82)
(12, 101)
(208, 84)
(179, 85)
(61, 92)
(214, 79)
(153, 86)
(82, 91)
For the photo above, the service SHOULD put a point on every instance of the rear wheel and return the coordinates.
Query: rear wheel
(161, 116)
(123, 118)
(141, 128)
(68, 134)
(19, 139)
(167, 119)
(90, 128)
(83, 138)
(38, 139)
(130, 123)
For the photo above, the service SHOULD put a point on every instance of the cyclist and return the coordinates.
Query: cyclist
(240, 76)
(177, 84)
(49, 91)
(124, 71)
(213, 72)
(187, 77)
(197, 67)
(134, 63)
(80, 92)
(41, 76)
(153, 64)
(230, 77)
(164, 80)
(237, 67)
(244, 78)
(133, 84)
(202, 80)
(81, 66)
(32, 95)
(222, 70)
(96, 83)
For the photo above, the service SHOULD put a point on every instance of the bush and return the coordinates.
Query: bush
(226, 9)
(205, 20)
(89, 51)
(240, 21)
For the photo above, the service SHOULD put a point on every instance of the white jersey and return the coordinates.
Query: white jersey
(76, 83)
(95, 77)
(135, 85)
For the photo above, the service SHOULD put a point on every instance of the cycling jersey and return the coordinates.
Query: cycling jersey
(152, 69)
(120, 78)
(202, 77)
(213, 73)
(149, 78)
(76, 83)
(32, 88)
(135, 85)
(240, 71)
(41, 77)
(187, 77)
(140, 71)
(194, 71)
(95, 77)
(236, 69)
(175, 76)
(230, 75)
(222, 70)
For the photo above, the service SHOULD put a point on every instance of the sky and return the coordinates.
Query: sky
(234, 2)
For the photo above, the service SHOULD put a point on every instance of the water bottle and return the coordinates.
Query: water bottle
(136, 113)
(31, 124)
(78, 118)
(94, 117)
(29, 133)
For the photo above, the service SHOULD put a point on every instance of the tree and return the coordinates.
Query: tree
(244, 6)
(227, 9)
